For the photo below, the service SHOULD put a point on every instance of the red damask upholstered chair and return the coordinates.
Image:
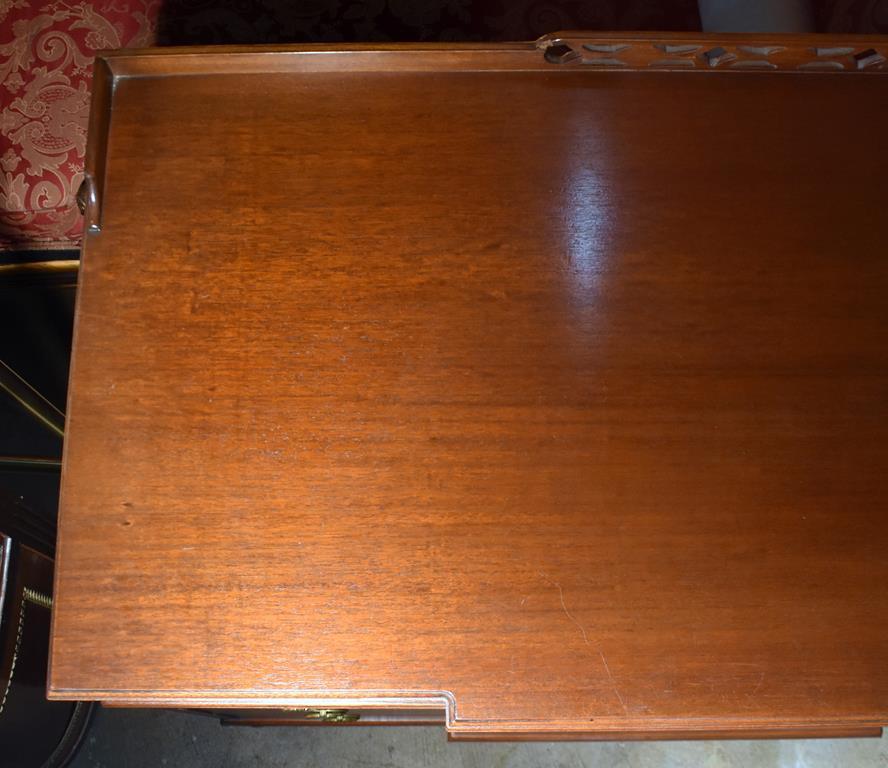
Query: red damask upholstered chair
(46, 53)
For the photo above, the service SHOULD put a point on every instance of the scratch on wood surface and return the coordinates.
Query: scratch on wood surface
(582, 629)
(564, 607)
(759, 684)
(570, 615)
(612, 681)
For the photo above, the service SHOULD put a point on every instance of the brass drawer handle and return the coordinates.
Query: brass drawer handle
(332, 715)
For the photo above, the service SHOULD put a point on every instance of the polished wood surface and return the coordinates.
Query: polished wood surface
(553, 396)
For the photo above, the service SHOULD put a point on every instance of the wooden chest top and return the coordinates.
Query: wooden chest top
(546, 384)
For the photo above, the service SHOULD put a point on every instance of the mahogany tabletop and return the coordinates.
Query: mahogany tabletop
(543, 384)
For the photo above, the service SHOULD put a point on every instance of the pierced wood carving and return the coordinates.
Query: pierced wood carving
(574, 49)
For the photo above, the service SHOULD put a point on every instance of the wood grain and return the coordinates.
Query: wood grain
(550, 396)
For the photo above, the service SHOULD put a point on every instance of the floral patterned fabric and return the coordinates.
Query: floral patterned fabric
(46, 54)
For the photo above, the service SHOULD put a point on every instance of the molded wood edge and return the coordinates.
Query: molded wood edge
(96, 144)
(826, 732)
(595, 729)
(618, 51)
